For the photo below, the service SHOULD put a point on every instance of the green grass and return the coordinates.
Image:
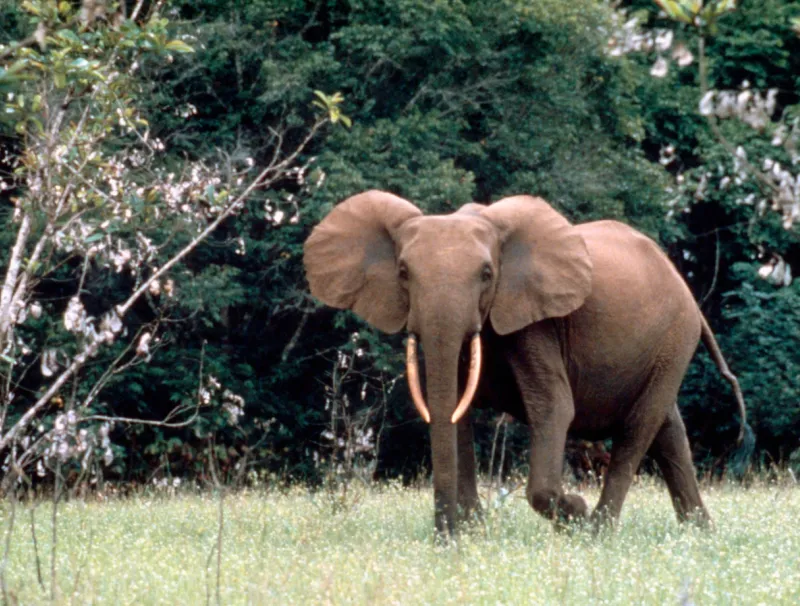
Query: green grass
(289, 549)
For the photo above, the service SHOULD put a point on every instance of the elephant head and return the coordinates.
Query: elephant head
(514, 262)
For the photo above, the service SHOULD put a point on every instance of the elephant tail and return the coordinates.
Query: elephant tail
(716, 354)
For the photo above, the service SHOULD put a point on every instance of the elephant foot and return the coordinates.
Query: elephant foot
(602, 519)
(572, 511)
(471, 517)
(564, 509)
(448, 528)
(470, 511)
(697, 517)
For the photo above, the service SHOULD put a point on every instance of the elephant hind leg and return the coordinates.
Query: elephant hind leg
(671, 451)
(651, 412)
(631, 445)
(626, 455)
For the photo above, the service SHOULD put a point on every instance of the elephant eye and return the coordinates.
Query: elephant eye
(486, 273)
(402, 272)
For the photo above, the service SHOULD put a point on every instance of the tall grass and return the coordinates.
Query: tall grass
(289, 549)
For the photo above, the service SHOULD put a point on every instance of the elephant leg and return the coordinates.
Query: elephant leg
(469, 504)
(544, 491)
(538, 367)
(646, 418)
(671, 451)
(626, 455)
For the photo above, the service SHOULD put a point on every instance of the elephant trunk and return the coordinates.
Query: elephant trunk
(441, 371)
(442, 326)
(444, 409)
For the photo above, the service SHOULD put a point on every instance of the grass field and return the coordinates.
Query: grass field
(290, 549)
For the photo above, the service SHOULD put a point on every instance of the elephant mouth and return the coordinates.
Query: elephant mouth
(412, 372)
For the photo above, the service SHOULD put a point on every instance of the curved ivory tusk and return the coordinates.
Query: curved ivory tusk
(412, 371)
(472, 380)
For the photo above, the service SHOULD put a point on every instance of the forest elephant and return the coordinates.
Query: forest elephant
(586, 329)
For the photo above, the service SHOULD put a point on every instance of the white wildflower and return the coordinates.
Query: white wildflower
(660, 68)
(667, 155)
(234, 412)
(143, 347)
(769, 104)
(707, 103)
(779, 135)
(776, 271)
(111, 322)
(682, 55)
(663, 40)
(121, 258)
(63, 450)
(49, 365)
(75, 315)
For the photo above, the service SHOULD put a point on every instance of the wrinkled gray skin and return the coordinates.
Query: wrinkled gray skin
(587, 329)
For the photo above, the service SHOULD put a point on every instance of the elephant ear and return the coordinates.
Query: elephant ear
(350, 258)
(545, 269)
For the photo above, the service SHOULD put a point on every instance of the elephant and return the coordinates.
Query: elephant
(584, 329)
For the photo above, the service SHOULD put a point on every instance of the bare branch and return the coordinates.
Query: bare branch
(14, 264)
(716, 274)
(35, 38)
(265, 178)
(293, 341)
(113, 369)
(151, 423)
(26, 418)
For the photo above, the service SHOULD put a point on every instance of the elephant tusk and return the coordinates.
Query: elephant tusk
(472, 380)
(412, 371)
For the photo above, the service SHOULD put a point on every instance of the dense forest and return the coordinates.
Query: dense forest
(163, 163)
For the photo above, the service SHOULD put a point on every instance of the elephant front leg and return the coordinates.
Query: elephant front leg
(444, 455)
(545, 493)
(469, 504)
(543, 384)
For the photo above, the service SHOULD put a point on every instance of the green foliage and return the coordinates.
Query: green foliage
(768, 328)
(441, 102)
(97, 213)
(718, 229)
(450, 102)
